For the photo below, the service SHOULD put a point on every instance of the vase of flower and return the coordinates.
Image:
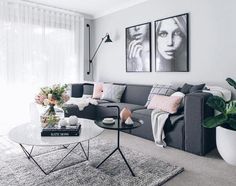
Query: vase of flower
(52, 98)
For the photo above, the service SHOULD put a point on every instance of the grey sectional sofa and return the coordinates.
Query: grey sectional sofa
(183, 130)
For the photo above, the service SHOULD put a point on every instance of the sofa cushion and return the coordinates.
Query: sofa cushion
(165, 90)
(103, 111)
(136, 94)
(188, 88)
(166, 103)
(87, 89)
(102, 101)
(76, 90)
(196, 88)
(144, 112)
(131, 107)
(97, 90)
(112, 92)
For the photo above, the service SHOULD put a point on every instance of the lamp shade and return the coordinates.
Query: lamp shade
(108, 39)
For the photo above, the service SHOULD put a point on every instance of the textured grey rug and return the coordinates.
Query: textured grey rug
(16, 169)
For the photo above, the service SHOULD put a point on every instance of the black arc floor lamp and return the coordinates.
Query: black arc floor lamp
(108, 40)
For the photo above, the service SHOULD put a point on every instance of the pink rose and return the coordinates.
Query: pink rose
(65, 97)
(40, 99)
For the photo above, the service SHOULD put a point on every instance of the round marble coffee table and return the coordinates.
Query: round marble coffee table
(30, 135)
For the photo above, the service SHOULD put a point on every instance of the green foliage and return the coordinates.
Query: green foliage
(231, 82)
(227, 111)
(217, 103)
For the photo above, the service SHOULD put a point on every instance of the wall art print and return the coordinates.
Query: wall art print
(171, 44)
(138, 48)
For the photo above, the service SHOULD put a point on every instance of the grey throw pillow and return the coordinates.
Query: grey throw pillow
(113, 92)
(188, 88)
(165, 90)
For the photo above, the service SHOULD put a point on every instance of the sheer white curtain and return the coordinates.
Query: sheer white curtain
(38, 47)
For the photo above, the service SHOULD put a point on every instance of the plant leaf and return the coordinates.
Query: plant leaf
(217, 103)
(231, 82)
(215, 121)
(231, 108)
(232, 125)
(232, 122)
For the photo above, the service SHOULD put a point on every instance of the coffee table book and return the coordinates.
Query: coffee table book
(67, 131)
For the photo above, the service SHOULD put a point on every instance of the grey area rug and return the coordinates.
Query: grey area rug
(16, 169)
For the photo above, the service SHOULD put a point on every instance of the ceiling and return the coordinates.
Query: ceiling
(91, 8)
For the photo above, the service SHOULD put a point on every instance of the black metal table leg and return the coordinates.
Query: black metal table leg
(126, 162)
(29, 156)
(118, 145)
(84, 151)
(107, 157)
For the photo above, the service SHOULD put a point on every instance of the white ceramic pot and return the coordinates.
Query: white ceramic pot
(225, 141)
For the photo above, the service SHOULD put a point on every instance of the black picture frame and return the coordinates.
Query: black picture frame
(138, 48)
(172, 44)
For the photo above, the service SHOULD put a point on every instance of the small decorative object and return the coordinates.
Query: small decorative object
(171, 43)
(138, 48)
(108, 121)
(129, 121)
(125, 113)
(50, 97)
(63, 122)
(73, 120)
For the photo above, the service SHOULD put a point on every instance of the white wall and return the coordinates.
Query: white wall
(212, 35)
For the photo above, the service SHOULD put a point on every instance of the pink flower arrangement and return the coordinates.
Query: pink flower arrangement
(55, 95)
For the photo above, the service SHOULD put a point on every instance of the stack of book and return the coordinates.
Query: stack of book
(63, 131)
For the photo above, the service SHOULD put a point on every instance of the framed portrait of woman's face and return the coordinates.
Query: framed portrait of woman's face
(171, 44)
(138, 48)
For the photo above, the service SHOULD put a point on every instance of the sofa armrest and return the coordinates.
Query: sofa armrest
(198, 140)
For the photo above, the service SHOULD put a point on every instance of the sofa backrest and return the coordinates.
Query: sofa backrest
(88, 89)
(136, 94)
(80, 89)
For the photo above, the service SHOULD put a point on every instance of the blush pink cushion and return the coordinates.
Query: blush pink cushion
(166, 103)
(97, 90)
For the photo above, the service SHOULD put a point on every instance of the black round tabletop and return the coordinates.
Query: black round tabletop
(123, 126)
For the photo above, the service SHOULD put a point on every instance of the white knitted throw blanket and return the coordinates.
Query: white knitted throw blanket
(158, 119)
(82, 102)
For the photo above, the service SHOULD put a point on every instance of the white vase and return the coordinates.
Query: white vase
(225, 141)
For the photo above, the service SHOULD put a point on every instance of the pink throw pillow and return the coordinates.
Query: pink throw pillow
(166, 103)
(97, 90)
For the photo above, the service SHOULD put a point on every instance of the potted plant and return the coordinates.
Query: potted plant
(225, 123)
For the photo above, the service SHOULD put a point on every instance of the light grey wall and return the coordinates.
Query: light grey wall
(212, 34)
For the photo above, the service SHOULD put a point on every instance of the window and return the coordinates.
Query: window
(38, 47)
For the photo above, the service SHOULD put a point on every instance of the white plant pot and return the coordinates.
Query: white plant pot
(225, 141)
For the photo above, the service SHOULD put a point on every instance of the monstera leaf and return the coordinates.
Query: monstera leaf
(231, 82)
(227, 109)
(217, 103)
(215, 121)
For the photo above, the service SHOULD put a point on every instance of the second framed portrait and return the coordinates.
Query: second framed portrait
(138, 48)
(171, 44)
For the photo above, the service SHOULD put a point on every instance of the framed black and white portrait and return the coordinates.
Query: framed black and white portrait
(171, 44)
(138, 48)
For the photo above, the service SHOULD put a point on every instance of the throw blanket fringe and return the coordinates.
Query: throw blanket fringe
(158, 119)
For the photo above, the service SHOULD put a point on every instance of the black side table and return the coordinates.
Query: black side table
(119, 126)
